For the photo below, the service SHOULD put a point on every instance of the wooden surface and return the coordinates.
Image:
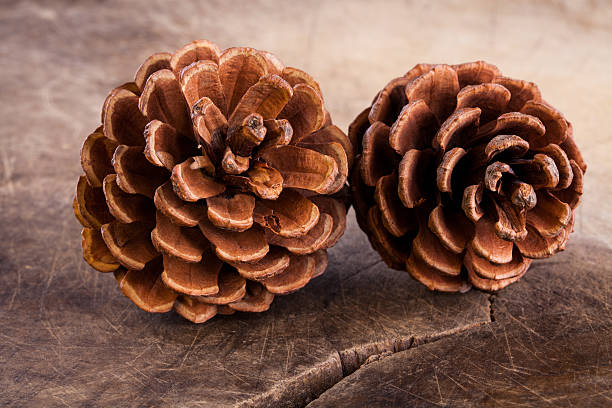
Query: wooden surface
(548, 345)
(69, 338)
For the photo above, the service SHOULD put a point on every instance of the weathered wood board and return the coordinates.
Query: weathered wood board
(69, 338)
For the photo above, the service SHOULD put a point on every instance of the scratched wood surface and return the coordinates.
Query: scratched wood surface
(548, 345)
(69, 338)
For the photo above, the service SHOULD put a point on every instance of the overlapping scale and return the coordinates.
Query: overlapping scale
(154, 63)
(130, 243)
(162, 99)
(304, 111)
(185, 243)
(145, 287)
(122, 120)
(181, 212)
(232, 287)
(256, 299)
(194, 311)
(290, 215)
(199, 50)
(239, 69)
(90, 205)
(201, 80)
(275, 261)
(231, 212)
(95, 251)
(165, 147)
(126, 207)
(295, 276)
(136, 175)
(303, 168)
(194, 279)
(96, 157)
(316, 238)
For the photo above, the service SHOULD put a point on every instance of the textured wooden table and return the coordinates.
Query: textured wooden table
(360, 335)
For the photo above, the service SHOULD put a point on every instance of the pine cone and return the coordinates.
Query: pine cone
(464, 176)
(210, 185)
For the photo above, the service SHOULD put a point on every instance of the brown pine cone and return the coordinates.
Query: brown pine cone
(210, 185)
(464, 176)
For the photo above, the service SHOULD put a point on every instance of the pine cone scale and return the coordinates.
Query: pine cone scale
(90, 205)
(290, 215)
(125, 207)
(191, 182)
(377, 158)
(444, 172)
(231, 213)
(162, 99)
(194, 279)
(304, 111)
(96, 252)
(337, 211)
(164, 147)
(232, 287)
(180, 212)
(389, 247)
(96, 155)
(199, 80)
(276, 261)
(562, 163)
(145, 288)
(491, 99)
(550, 215)
(135, 174)
(302, 168)
(295, 276)
(130, 244)
(514, 268)
(239, 69)
(194, 311)
(458, 130)
(430, 250)
(438, 88)
(199, 50)
(388, 101)
(185, 243)
(267, 97)
(257, 299)
(316, 238)
(452, 228)
(474, 73)
(123, 121)
(413, 128)
(154, 63)
(571, 194)
(231, 246)
(415, 173)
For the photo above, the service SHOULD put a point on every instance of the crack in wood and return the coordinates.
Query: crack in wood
(354, 359)
(491, 299)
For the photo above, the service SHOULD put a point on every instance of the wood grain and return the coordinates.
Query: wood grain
(69, 338)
